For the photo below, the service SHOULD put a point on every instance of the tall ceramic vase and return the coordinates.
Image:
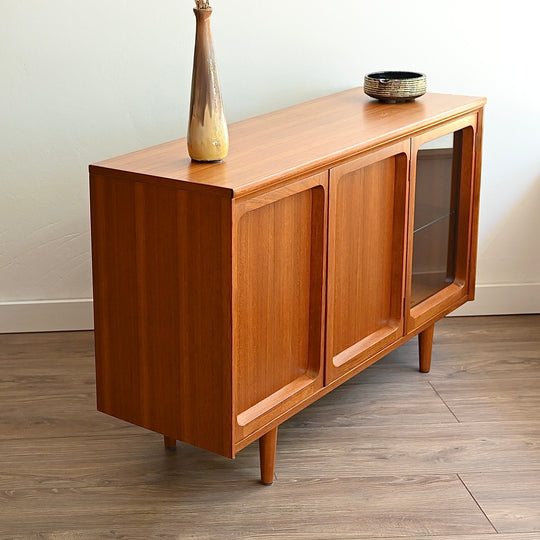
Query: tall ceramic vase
(208, 137)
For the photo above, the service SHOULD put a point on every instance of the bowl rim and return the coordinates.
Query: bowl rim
(407, 75)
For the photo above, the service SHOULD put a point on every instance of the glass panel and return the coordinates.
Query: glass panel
(435, 215)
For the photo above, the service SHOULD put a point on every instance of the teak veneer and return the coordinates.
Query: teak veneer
(229, 296)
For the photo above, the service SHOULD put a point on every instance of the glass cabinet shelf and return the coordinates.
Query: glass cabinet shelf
(433, 221)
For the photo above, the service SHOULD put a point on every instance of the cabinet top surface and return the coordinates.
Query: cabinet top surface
(273, 147)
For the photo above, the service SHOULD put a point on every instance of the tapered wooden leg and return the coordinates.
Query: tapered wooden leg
(170, 443)
(425, 343)
(267, 453)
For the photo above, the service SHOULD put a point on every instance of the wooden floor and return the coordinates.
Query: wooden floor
(392, 454)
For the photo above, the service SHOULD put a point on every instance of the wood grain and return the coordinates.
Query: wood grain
(493, 399)
(425, 344)
(476, 203)
(500, 330)
(279, 261)
(487, 536)
(510, 499)
(275, 267)
(62, 364)
(307, 450)
(366, 257)
(176, 506)
(379, 396)
(386, 448)
(267, 453)
(328, 130)
(162, 267)
(493, 348)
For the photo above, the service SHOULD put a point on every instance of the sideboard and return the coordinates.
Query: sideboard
(229, 296)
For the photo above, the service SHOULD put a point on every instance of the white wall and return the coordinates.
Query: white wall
(84, 80)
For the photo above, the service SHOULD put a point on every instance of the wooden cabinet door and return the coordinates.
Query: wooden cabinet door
(279, 246)
(441, 220)
(366, 248)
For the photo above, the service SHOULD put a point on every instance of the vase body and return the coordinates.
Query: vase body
(208, 137)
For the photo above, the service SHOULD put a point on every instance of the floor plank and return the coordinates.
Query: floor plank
(491, 536)
(211, 504)
(123, 459)
(62, 347)
(450, 448)
(493, 400)
(377, 403)
(482, 347)
(511, 500)
(56, 414)
(480, 330)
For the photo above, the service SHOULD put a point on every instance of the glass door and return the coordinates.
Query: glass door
(435, 216)
(440, 221)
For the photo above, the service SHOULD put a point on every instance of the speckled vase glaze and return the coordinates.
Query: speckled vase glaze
(208, 137)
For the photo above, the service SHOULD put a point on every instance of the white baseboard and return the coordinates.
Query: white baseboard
(508, 299)
(46, 315)
(76, 314)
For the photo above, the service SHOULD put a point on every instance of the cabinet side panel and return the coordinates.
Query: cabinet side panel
(476, 203)
(162, 297)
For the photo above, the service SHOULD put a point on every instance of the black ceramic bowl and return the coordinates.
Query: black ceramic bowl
(395, 86)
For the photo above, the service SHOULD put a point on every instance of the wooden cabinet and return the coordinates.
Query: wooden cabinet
(229, 296)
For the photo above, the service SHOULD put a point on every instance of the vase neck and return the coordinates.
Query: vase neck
(202, 15)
